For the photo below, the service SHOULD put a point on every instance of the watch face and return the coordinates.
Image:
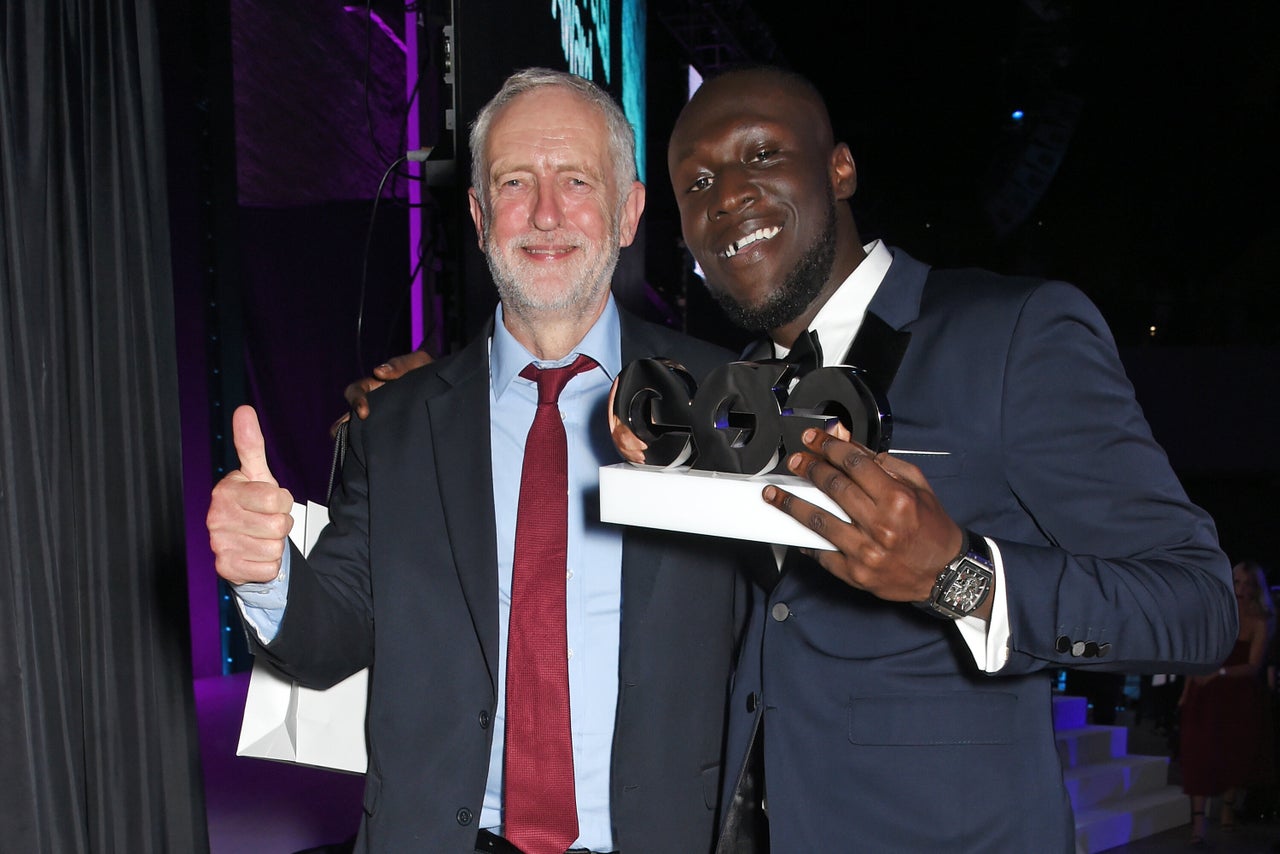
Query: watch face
(968, 586)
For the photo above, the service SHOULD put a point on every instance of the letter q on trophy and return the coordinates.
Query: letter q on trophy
(709, 450)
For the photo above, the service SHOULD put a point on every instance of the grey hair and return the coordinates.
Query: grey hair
(622, 140)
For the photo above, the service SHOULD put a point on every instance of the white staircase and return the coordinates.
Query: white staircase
(1117, 797)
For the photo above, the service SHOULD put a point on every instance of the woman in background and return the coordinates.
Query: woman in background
(1225, 742)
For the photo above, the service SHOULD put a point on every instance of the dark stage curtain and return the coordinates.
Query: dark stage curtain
(98, 747)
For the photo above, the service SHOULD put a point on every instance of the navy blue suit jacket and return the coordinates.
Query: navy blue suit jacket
(404, 580)
(880, 733)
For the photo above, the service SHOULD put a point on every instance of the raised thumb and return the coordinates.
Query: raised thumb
(250, 446)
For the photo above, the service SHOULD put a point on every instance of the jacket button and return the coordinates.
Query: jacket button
(484, 719)
(1077, 649)
(781, 611)
(1090, 649)
(1104, 649)
(752, 701)
(1062, 644)
(464, 816)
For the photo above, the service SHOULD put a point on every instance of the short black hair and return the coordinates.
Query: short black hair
(782, 72)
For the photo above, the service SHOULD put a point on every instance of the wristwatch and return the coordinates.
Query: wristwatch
(965, 583)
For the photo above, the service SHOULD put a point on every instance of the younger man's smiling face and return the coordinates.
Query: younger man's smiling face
(756, 176)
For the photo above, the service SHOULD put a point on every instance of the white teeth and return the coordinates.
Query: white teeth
(743, 243)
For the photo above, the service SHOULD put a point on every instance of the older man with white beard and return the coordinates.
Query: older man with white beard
(473, 591)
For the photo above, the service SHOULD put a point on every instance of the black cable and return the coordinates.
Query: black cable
(364, 263)
(404, 137)
(391, 169)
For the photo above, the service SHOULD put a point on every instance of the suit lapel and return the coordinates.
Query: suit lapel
(897, 300)
(883, 338)
(878, 349)
(459, 415)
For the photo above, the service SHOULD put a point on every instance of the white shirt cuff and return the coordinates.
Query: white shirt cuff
(988, 640)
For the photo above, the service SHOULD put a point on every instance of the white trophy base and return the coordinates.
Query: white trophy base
(704, 502)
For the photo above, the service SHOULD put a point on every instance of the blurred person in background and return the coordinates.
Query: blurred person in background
(1225, 738)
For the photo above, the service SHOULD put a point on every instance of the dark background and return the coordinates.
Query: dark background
(1141, 170)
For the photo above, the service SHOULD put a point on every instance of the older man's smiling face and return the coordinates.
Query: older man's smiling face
(556, 214)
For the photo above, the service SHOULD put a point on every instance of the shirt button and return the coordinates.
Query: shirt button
(484, 719)
(571, 655)
(781, 611)
(569, 574)
(464, 816)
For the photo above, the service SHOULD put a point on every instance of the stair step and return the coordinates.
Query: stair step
(1069, 712)
(1133, 817)
(1091, 744)
(1102, 783)
(1116, 796)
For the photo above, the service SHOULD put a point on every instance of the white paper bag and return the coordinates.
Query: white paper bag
(290, 723)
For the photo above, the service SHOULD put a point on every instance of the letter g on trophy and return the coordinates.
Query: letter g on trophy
(742, 419)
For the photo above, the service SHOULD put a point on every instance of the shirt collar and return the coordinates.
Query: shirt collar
(508, 357)
(838, 321)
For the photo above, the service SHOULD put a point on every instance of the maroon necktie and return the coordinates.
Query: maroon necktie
(540, 812)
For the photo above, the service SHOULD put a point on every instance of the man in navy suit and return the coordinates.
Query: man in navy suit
(413, 576)
(897, 688)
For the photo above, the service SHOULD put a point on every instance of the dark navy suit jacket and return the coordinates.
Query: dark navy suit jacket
(405, 580)
(880, 733)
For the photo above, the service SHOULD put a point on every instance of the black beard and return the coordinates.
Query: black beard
(798, 290)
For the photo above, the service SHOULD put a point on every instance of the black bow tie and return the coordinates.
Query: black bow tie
(806, 352)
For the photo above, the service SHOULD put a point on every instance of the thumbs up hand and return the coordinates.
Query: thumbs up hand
(248, 516)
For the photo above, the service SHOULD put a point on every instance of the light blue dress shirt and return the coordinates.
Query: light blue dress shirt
(594, 577)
